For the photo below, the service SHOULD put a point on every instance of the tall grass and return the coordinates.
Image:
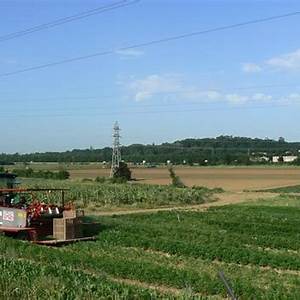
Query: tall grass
(97, 195)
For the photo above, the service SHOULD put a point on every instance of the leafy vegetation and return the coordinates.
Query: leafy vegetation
(176, 181)
(180, 253)
(287, 189)
(122, 172)
(30, 279)
(98, 195)
(30, 173)
(226, 150)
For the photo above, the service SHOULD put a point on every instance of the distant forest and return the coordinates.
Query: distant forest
(226, 150)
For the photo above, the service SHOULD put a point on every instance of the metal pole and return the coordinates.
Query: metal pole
(227, 286)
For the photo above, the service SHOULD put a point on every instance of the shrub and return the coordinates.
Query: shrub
(30, 173)
(176, 181)
(100, 179)
(122, 172)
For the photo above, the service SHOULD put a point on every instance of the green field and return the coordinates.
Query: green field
(167, 255)
(98, 196)
(287, 189)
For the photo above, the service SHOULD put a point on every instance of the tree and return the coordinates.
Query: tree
(63, 174)
(122, 172)
(176, 181)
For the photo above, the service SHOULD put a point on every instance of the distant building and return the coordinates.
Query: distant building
(260, 159)
(285, 158)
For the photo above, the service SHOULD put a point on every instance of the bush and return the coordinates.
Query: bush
(176, 181)
(123, 173)
(30, 173)
(100, 179)
(63, 174)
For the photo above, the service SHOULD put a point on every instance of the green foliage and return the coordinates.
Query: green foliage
(61, 174)
(216, 151)
(86, 180)
(231, 234)
(296, 162)
(176, 181)
(26, 279)
(287, 189)
(122, 173)
(100, 179)
(30, 173)
(182, 251)
(2, 169)
(118, 180)
(95, 195)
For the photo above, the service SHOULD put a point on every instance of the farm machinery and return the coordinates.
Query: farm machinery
(24, 216)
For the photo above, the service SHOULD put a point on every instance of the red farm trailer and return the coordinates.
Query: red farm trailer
(23, 215)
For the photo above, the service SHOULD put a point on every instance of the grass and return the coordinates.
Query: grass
(283, 200)
(29, 279)
(257, 247)
(287, 189)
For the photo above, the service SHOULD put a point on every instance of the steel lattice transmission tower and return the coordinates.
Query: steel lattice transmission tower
(116, 154)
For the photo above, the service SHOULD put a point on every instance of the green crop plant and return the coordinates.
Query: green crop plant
(178, 254)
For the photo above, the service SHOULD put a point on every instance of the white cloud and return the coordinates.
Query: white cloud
(251, 68)
(289, 61)
(285, 62)
(130, 53)
(196, 94)
(292, 98)
(174, 87)
(155, 84)
(236, 99)
(262, 97)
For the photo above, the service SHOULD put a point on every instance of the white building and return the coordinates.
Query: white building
(286, 158)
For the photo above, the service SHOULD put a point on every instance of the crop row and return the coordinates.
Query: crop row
(202, 239)
(107, 194)
(24, 279)
(227, 225)
(100, 258)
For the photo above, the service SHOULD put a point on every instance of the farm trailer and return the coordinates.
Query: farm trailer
(25, 217)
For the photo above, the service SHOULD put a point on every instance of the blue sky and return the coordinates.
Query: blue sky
(240, 82)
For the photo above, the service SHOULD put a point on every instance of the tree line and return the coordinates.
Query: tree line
(206, 151)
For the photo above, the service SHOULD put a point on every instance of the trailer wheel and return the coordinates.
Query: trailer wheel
(10, 234)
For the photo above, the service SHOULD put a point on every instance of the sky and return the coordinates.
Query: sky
(242, 81)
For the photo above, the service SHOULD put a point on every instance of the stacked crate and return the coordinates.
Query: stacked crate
(68, 227)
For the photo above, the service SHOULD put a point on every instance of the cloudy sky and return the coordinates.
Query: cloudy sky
(241, 81)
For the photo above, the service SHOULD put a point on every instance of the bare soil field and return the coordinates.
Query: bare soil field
(230, 179)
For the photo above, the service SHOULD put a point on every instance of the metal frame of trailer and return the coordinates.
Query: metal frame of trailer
(43, 226)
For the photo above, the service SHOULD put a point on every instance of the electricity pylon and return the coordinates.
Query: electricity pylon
(116, 154)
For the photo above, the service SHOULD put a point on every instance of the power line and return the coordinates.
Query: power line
(150, 43)
(113, 113)
(105, 107)
(68, 19)
(111, 96)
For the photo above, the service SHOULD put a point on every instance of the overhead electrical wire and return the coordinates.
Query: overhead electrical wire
(99, 97)
(72, 18)
(150, 43)
(112, 113)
